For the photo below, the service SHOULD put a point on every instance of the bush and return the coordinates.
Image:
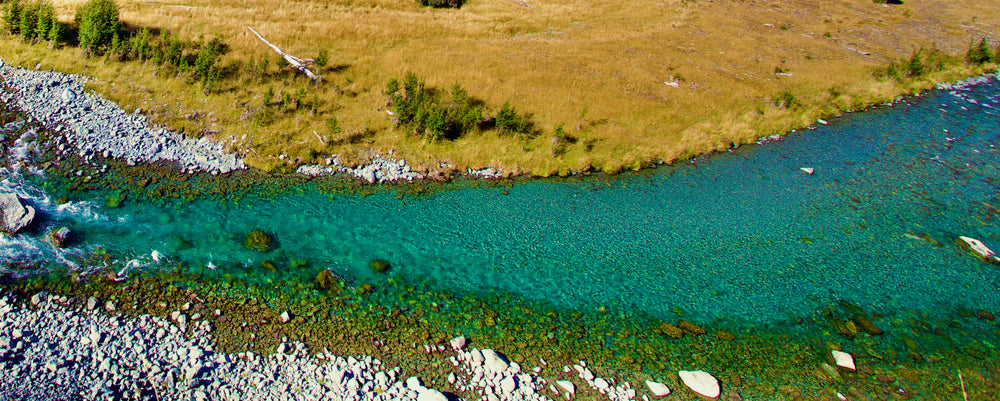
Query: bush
(323, 58)
(429, 113)
(12, 18)
(786, 100)
(978, 54)
(98, 23)
(207, 56)
(441, 3)
(510, 123)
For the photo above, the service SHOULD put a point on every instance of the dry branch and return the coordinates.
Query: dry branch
(524, 4)
(295, 62)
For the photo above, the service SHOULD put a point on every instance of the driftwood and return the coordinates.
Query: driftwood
(295, 62)
(524, 4)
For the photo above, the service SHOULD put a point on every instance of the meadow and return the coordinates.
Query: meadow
(600, 85)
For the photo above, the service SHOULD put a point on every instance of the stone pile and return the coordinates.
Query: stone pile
(52, 349)
(96, 126)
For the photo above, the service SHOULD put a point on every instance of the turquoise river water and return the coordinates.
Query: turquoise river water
(743, 235)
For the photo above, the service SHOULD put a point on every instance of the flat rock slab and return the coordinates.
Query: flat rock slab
(701, 382)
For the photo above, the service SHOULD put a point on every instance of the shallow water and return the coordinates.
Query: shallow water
(743, 235)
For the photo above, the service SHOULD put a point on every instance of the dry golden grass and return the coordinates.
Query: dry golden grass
(598, 68)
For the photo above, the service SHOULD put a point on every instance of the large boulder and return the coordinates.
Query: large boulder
(14, 215)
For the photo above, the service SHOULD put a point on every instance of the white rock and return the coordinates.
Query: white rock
(413, 383)
(110, 306)
(494, 362)
(458, 343)
(451, 378)
(701, 382)
(285, 317)
(601, 385)
(658, 389)
(844, 360)
(429, 394)
(808, 170)
(508, 385)
(980, 248)
(91, 303)
(567, 386)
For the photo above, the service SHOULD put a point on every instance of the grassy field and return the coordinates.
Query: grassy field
(599, 69)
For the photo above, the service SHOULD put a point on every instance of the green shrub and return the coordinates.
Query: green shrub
(323, 58)
(140, 45)
(55, 32)
(786, 100)
(509, 122)
(207, 56)
(978, 54)
(12, 18)
(45, 19)
(441, 3)
(98, 23)
(28, 21)
(429, 113)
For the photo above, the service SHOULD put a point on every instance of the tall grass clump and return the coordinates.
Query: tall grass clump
(98, 24)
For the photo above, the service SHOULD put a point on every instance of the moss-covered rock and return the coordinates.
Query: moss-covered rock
(690, 327)
(670, 330)
(380, 265)
(326, 280)
(258, 240)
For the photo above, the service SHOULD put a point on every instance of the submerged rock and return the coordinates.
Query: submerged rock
(258, 240)
(326, 280)
(670, 330)
(379, 265)
(867, 326)
(690, 327)
(14, 216)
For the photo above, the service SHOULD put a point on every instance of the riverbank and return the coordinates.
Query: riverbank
(397, 320)
(623, 99)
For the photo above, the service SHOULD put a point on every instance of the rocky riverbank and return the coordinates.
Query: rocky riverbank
(96, 126)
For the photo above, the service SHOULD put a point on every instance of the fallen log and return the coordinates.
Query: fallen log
(295, 62)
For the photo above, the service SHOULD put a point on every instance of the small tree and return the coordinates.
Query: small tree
(98, 23)
(46, 17)
(12, 18)
(28, 21)
(55, 32)
(207, 56)
(978, 54)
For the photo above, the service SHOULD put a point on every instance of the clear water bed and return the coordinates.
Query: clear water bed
(743, 235)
